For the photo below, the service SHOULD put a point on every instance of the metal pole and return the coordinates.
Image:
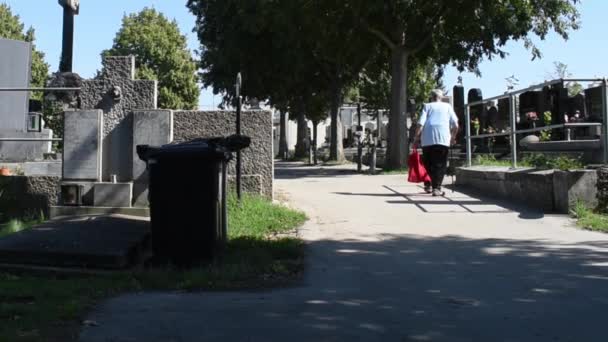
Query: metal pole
(513, 132)
(605, 118)
(224, 205)
(359, 143)
(374, 157)
(30, 139)
(238, 132)
(467, 122)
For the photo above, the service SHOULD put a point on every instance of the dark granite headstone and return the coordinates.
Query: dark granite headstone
(593, 99)
(458, 94)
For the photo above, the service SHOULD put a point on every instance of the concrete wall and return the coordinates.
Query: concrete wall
(24, 196)
(257, 159)
(548, 190)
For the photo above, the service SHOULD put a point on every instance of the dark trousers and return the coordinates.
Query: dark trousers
(435, 159)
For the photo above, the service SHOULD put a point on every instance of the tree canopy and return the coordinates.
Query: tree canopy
(161, 54)
(287, 49)
(11, 27)
(462, 33)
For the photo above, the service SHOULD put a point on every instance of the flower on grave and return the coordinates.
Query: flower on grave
(476, 125)
(531, 116)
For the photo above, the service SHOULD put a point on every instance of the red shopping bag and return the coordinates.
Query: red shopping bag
(417, 172)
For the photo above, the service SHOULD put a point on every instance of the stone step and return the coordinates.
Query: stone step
(66, 211)
(85, 242)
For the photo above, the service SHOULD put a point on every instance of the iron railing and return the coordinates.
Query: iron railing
(513, 132)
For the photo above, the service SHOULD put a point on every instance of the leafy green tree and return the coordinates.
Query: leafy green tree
(286, 50)
(561, 72)
(458, 32)
(375, 82)
(161, 54)
(11, 27)
(255, 38)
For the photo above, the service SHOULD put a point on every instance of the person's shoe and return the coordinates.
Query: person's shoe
(428, 189)
(438, 193)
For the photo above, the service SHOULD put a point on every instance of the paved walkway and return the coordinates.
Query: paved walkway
(390, 264)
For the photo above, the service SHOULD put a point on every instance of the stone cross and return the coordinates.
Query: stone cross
(70, 9)
(117, 93)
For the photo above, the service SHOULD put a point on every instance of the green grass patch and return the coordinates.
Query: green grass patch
(490, 160)
(257, 217)
(51, 308)
(588, 219)
(536, 160)
(543, 162)
(15, 226)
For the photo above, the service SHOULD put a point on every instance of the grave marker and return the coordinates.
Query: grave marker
(82, 148)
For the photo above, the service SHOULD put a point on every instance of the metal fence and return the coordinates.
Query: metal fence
(513, 132)
(50, 89)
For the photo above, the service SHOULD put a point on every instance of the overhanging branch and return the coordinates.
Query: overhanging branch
(382, 37)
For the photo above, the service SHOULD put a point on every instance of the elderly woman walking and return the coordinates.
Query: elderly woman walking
(437, 129)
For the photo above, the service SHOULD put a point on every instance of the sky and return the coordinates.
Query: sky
(585, 53)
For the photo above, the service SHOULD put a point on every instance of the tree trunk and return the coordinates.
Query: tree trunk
(336, 148)
(397, 149)
(283, 149)
(301, 144)
(314, 141)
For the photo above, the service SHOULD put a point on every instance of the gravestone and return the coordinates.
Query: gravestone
(458, 92)
(15, 64)
(593, 101)
(117, 93)
(82, 150)
(154, 128)
(477, 111)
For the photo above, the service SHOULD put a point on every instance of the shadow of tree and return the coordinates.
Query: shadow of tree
(397, 288)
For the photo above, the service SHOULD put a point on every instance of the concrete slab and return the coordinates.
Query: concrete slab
(107, 242)
(22, 151)
(112, 195)
(65, 211)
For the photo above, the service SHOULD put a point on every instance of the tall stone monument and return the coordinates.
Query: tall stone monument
(116, 113)
(117, 93)
(15, 65)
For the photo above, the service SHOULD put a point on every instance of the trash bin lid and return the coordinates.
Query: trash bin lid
(196, 149)
(220, 148)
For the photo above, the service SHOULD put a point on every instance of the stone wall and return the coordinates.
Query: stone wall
(258, 159)
(602, 189)
(23, 196)
(547, 190)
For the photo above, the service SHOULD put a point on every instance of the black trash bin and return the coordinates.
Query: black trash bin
(187, 194)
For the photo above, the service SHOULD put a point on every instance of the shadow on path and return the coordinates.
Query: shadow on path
(294, 170)
(402, 288)
(453, 202)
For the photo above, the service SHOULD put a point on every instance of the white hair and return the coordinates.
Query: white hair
(437, 94)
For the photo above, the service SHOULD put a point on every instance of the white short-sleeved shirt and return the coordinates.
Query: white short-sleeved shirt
(437, 120)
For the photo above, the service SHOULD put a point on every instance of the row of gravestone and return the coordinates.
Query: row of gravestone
(83, 161)
(554, 99)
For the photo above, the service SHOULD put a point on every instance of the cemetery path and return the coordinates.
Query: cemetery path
(387, 263)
